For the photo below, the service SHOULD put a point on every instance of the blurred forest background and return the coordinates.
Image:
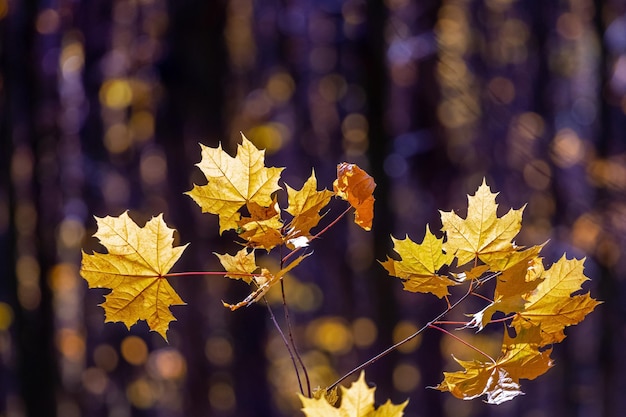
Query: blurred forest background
(103, 104)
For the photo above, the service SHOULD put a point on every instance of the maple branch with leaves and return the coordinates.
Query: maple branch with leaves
(537, 302)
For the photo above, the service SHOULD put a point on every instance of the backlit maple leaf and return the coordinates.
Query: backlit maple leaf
(134, 269)
(264, 281)
(356, 187)
(305, 205)
(233, 182)
(356, 401)
(520, 358)
(521, 273)
(239, 266)
(481, 232)
(419, 265)
(552, 306)
(263, 228)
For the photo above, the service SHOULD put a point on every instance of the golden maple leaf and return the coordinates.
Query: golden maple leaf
(356, 401)
(521, 272)
(481, 234)
(356, 187)
(419, 265)
(233, 182)
(239, 266)
(552, 306)
(264, 280)
(499, 380)
(305, 205)
(263, 229)
(134, 269)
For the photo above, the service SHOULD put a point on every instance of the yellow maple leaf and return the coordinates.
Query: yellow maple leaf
(356, 401)
(233, 182)
(134, 269)
(552, 306)
(264, 281)
(419, 265)
(356, 187)
(239, 266)
(481, 234)
(305, 205)
(499, 380)
(521, 273)
(263, 229)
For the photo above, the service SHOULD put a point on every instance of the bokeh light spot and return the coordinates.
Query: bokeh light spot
(153, 167)
(142, 126)
(268, 136)
(537, 174)
(4, 8)
(117, 138)
(222, 396)
(330, 334)
(364, 331)
(71, 344)
(105, 357)
(218, 351)
(116, 93)
(47, 21)
(134, 350)
(168, 364)
(141, 394)
(6, 316)
(280, 87)
(406, 377)
(71, 233)
(567, 148)
(95, 380)
(502, 90)
(402, 330)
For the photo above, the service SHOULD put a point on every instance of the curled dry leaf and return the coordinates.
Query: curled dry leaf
(356, 187)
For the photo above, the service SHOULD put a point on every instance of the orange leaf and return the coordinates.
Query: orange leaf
(134, 269)
(233, 182)
(356, 187)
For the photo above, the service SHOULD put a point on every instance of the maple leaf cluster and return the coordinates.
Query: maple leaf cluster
(241, 190)
(538, 302)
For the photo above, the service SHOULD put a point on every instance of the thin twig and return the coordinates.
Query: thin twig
(318, 234)
(458, 339)
(282, 336)
(199, 273)
(291, 339)
(385, 352)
